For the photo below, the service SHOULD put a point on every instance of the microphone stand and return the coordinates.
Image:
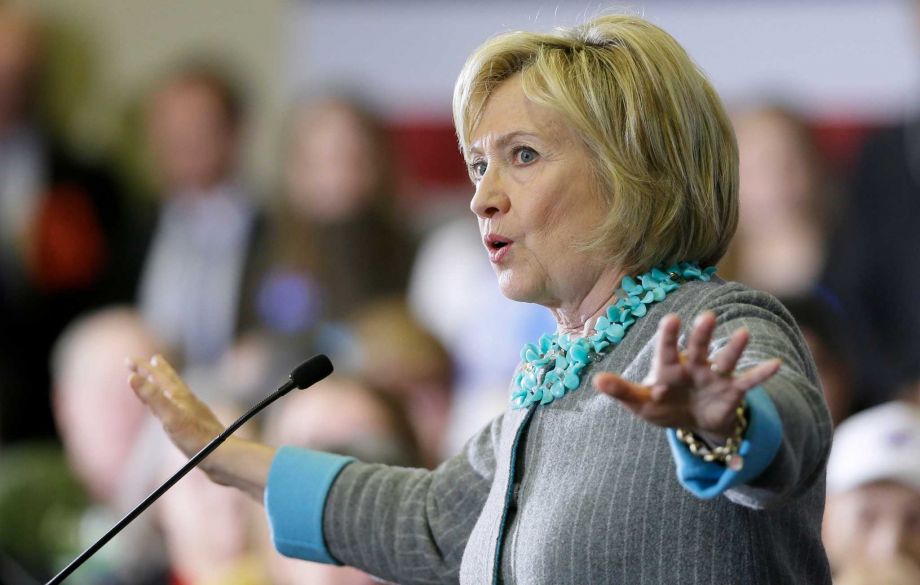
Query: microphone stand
(194, 461)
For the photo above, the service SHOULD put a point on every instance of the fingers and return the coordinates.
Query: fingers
(139, 382)
(189, 423)
(623, 390)
(157, 385)
(666, 351)
(698, 344)
(757, 375)
(727, 359)
(164, 375)
(151, 394)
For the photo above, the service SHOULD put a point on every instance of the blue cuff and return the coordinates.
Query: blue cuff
(761, 442)
(298, 483)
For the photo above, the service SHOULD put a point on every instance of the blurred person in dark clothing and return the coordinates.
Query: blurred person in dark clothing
(824, 331)
(874, 259)
(59, 222)
(205, 240)
(337, 243)
(873, 263)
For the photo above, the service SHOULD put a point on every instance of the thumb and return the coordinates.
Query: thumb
(623, 390)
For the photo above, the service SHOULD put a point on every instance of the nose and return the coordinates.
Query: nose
(490, 198)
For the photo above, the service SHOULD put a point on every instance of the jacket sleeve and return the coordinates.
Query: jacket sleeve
(788, 439)
(402, 525)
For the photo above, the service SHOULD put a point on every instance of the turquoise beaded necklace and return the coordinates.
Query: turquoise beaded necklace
(552, 367)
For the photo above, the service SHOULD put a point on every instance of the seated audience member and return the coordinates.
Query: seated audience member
(210, 531)
(786, 207)
(337, 243)
(821, 327)
(203, 248)
(59, 219)
(872, 517)
(106, 438)
(342, 416)
(393, 351)
(345, 415)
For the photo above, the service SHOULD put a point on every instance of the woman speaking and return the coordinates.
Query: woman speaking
(670, 431)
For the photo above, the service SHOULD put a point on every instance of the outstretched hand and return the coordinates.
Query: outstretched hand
(191, 425)
(188, 421)
(687, 390)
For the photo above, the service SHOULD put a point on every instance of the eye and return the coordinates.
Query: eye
(478, 168)
(525, 155)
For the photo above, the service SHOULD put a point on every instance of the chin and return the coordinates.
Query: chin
(516, 288)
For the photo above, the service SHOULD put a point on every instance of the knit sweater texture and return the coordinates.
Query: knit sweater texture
(581, 491)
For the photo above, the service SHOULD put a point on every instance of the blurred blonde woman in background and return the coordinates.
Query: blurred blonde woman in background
(337, 244)
(787, 206)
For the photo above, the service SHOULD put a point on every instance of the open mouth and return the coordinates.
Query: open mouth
(497, 246)
(495, 242)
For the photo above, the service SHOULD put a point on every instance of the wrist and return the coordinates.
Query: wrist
(240, 464)
(731, 426)
(716, 447)
(714, 438)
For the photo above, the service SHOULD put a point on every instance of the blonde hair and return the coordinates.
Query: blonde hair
(663, 147)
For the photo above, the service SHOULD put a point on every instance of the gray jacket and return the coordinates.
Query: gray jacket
(594, 498)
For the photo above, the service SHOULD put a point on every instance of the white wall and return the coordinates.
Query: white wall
(831, 58)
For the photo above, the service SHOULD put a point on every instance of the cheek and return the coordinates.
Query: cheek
(554, 214)
(571, 221)
(841, 532)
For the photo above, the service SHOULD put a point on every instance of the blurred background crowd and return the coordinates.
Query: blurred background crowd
(217, 181)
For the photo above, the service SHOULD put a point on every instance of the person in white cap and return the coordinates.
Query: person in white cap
(872, 518)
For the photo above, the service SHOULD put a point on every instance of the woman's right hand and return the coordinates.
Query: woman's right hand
(187, 420)
(191, 425)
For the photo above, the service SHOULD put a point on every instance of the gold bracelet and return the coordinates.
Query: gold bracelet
(726, 454)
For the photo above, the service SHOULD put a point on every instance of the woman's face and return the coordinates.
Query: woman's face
(332, 167)
(777, 177)
(536, 200)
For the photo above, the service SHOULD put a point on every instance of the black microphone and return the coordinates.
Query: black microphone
(303, 376)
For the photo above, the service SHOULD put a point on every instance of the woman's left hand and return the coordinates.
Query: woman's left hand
(687, 390)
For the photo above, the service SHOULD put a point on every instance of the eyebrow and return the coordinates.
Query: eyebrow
(506, 138)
